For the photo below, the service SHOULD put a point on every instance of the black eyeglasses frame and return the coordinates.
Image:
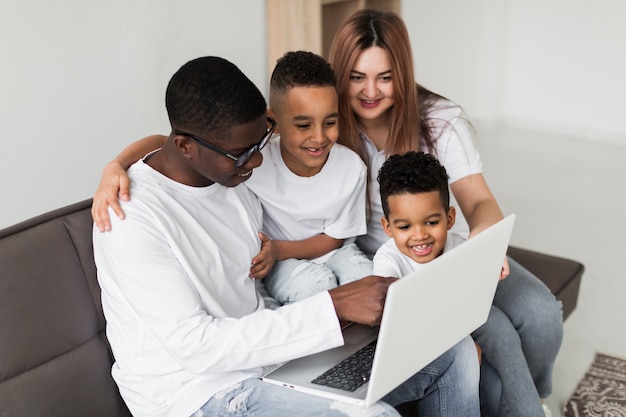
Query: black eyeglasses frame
(243, 157)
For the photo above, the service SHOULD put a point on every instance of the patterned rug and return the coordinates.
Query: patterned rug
(602, 391)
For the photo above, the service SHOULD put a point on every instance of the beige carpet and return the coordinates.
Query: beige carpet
(602, 391)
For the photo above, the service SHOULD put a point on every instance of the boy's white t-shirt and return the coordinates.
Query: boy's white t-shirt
(390, 262)
(454, 149)
(296, 208)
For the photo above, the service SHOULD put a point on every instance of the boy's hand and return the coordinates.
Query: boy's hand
(505, 269)
(114, 185)
(479, 350)
(263, 262)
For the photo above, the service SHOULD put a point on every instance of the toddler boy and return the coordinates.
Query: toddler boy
(417, 213)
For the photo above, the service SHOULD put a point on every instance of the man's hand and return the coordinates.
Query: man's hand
(361, 301)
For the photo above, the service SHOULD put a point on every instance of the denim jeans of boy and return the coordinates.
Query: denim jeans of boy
(292, 280)
(447, 387)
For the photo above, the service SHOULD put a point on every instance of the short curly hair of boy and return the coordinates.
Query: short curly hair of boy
(412, 173)
(299, 69)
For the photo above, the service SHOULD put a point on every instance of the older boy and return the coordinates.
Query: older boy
(312, 190)
(189, 332)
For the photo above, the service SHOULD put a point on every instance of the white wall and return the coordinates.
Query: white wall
(80, 79)
(555, 65)
(566, 65)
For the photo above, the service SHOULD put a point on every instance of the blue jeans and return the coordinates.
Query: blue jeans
(520, 342)
(446, 387)
(292, 280)
(490, 389)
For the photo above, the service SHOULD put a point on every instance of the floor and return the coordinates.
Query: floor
(569, 197)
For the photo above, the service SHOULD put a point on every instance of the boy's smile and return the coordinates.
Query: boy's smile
(418, 224)
(307, 123)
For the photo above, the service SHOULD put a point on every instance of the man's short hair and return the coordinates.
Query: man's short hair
(299, 69)
(209, 95)
(412, 173)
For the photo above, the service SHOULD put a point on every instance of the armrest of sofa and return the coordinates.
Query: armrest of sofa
(561, 275)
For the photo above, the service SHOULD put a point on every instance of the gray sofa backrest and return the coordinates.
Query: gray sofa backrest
(55, 359)
(54, 356)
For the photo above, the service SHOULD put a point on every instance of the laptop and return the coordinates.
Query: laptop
(426, 313)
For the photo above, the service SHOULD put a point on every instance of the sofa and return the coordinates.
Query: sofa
(55, 359)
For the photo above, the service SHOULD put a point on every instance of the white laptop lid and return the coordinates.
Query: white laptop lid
(429, 311)
(426, 313)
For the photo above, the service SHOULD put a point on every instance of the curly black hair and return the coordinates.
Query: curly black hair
(209, 95)
(413, 173)
(299, 69)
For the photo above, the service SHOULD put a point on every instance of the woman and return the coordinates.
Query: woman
(383, 111)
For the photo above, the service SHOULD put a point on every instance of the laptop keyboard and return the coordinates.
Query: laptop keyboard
(352, 372)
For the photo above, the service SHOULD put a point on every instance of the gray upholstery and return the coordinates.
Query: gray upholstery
(54, 356)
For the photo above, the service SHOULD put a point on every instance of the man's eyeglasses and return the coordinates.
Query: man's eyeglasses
(243, 157)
